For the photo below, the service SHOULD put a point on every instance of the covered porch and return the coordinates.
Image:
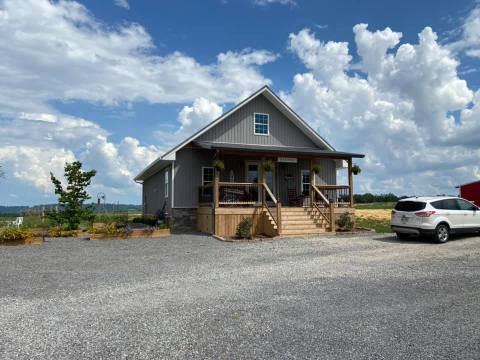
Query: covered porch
(283, 190)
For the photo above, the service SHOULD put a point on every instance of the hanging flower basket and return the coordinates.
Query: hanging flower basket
(268, 165)
(356, 169)
(316, 169)
(219, 165)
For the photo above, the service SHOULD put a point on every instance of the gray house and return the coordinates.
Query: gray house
(258, 160)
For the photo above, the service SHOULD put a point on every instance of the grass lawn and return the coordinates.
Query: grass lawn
(379, 225)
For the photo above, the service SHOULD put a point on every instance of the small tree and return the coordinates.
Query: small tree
(72, 197)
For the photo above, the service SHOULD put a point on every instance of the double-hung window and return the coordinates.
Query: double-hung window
(261, 124)
(207, 175)
(305, 182)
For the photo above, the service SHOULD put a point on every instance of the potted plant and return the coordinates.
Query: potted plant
(268, 165)
(219, 165)
(356, 169)
(316, 168)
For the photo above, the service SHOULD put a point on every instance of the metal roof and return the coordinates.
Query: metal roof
(470, 183)
(276, 149)
(151, 169)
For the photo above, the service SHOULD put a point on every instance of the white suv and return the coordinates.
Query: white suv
(434, 216)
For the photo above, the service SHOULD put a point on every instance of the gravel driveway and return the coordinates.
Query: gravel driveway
(190, 296)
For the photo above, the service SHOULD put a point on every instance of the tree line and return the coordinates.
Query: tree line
(371, 198)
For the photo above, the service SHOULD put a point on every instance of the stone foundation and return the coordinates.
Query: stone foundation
(184, 220)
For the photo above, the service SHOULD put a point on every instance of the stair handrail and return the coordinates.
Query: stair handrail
(327, 219)
(276, 220)
(269, 192)
(317, 190)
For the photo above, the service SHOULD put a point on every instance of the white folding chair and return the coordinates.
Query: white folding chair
(18, 222)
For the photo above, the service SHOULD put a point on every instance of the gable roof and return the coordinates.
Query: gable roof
(274, 99)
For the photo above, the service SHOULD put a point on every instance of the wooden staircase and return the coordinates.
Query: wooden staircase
(300, 221)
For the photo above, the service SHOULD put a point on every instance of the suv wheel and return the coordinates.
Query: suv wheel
(442, 233)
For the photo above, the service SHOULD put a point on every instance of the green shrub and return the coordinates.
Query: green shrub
(109, 230)
(14, 234)
(345, 221)
(147, 220)
(59, 232)
(244, 229)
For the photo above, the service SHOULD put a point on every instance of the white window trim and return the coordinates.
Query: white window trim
(166, 184)
(301, 180)
(268, 125)
(203, 169)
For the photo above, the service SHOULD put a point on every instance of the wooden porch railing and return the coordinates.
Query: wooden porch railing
(339, 195)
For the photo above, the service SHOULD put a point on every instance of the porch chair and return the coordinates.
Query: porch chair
(293, 198)
(18, 222)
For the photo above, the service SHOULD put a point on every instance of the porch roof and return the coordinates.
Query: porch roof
(332, 154)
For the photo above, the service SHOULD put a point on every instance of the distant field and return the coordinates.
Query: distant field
(374, 216)
(376, 205)
(36, 221)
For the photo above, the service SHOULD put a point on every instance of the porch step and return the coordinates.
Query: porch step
(303, 231)
(300, 226)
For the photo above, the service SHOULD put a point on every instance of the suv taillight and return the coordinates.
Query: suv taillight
(425, 213)
(393, 212)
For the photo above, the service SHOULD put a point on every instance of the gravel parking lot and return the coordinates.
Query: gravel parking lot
(190, 296)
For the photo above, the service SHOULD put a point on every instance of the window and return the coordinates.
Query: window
(207, 175)
(166, 183)
(410, 206)
(305, 182)
(465, 205)
(262, 124)
(447, 204)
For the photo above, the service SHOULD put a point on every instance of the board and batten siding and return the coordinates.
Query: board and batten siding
(154, 193)
(238, 128)
(188, 175)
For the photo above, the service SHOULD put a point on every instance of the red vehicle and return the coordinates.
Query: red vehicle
(471, 192)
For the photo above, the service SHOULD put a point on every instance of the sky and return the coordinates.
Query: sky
(115, 83)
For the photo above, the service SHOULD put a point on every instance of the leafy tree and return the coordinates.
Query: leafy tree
(72, 197)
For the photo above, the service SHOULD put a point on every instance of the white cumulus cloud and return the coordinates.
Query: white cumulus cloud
(399, 113)
(122, 3)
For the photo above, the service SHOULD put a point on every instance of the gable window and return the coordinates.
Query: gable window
(305, 182)
(207, 175)
(166, 183)
(261, 124)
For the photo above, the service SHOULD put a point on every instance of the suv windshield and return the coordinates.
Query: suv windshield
(410, 206)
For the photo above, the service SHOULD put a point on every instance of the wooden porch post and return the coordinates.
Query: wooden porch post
(263, 180)
(350, 181)
(216, 193)
(312, 183)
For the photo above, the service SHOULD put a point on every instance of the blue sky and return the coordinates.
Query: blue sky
(115, 83)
